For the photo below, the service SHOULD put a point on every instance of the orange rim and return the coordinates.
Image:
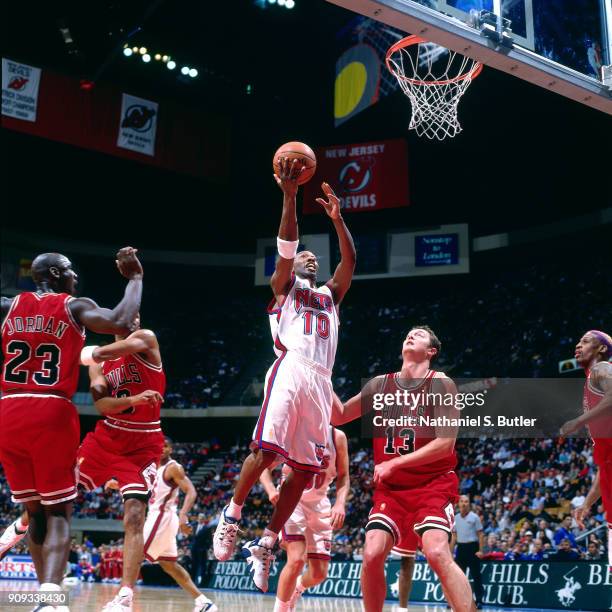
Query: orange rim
(415, 40)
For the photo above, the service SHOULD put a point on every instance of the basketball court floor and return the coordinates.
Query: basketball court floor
(92, 597)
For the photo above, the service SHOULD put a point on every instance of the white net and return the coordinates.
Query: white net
(434, 79)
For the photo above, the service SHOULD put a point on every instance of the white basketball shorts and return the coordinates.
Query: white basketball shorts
(295, 414)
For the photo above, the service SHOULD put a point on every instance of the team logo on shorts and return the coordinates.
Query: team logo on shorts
(319, 451)
(327, 544)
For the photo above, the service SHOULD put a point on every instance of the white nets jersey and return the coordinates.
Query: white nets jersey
(319, 485)
(306, 323)
(164, 496)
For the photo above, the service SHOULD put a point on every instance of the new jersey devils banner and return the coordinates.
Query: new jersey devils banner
(19, 90)
(366, 176)
(138, 125)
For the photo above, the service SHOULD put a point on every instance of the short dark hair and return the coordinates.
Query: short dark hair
(434, 341)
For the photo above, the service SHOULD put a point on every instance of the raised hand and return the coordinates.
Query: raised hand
(288, 174)
(128, 264)
(332, 204)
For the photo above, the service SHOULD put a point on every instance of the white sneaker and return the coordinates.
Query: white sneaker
(121, 603)
(260, 558)
(203, 604)
(224, 539)
(9, 538)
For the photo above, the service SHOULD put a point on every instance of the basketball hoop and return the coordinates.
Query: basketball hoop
(433, 83)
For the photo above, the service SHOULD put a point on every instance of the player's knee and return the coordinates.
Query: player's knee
(373, 556)
(437, 554)
(295, 565)
(134, 516)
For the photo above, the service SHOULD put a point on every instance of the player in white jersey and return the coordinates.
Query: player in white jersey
(294, 421)
(307, 535)
(163, 523)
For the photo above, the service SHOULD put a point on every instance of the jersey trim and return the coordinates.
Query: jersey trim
(264, 407)
(79, 328)
(148, 364)
(172, 484)
(396, 380)
(34, 394)
(132, 430)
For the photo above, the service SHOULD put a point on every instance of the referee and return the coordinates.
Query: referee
(469, 538)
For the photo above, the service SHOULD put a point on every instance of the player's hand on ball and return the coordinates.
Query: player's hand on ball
(332, 204)
(338, 514)
(383, 471)
(148, 397)
(289, 172)
(274, 498)
(128, 264)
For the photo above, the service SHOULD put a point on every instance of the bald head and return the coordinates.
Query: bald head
(53, 271)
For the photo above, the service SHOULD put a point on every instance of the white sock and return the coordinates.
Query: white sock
(281, 606)
(125, 591)
(268, 539)
(234, 510)
(402, 609)
(50, 586)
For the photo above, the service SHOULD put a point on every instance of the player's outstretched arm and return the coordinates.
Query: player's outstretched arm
(120, 320)
(268, 485)
(341, 280)
(175, 472)
(343, 480)
(142, 341)
(105, 404)
(601, 378)
(358, 405)
(289, 172)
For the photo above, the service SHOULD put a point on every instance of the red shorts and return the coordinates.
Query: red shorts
(129, 457)
(408, 513)
(39, 437)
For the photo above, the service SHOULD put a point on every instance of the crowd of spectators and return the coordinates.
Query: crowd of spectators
(524, 492)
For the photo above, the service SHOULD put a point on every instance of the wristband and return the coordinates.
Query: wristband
(87, 358)
(287, 248)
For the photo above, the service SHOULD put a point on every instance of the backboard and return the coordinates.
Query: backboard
(561, 45)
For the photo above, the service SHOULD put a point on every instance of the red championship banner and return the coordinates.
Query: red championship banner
(366, 176)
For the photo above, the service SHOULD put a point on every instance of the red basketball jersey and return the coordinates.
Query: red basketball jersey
(394, 441)
(131, 375)
(600, 428)
(42, 343)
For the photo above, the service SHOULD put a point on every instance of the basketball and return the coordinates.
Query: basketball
(297, 150)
